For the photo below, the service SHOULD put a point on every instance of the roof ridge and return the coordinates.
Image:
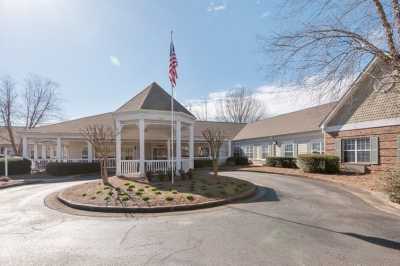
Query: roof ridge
(144, 92)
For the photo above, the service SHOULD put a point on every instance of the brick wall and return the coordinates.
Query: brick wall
(387, 144)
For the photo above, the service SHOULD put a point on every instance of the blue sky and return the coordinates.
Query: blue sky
(104, 52)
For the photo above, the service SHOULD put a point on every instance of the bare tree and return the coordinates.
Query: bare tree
(215, 139)
(39, 103)
(100, 137)
(8, 109)
(240, 106)
(333, 44)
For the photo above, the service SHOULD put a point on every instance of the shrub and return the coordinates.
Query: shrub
(146, 198)
(332, 164)
(149, 175)
(285, 162)
(202, 163)
(190, 173)
(190, 197)
(237, 160)
(16, 166)
(61, 169)
(393, 178)
(315, 163)
(182, 174)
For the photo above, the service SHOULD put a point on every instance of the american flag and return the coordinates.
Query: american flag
(173, 64)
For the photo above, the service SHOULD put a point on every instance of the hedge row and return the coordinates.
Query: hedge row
(314, 163)
(62, 169)
(237, 160)
(285, 162)
(202, 163)
(16, 166)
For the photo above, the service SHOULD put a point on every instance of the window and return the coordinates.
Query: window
(289, 150)
(316, 148)
(249, 151)
(84, 154)
(357, 150)
(264, 151)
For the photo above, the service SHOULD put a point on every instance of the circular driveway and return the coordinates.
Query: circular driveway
(292, 221)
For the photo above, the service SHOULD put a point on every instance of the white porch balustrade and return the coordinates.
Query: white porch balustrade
(129, 167)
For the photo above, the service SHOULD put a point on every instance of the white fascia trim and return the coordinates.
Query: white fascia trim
(363, 125)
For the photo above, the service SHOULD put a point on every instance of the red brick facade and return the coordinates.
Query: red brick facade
(387, 140)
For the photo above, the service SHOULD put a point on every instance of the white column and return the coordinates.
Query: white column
(141, 147)
(118, 148)
(229, 148)
(35, 151)
(58, 150)
(191, 146)
(169, 149)
(25, 147)
(44, 151)
(51, 151)
(178, 146)
(90, 151)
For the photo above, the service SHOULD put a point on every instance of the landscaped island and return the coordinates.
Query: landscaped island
(202, 190)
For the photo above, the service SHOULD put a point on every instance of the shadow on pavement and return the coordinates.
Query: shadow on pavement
(376, 240)
(387, 243)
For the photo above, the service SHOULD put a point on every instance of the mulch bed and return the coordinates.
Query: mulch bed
(371, 182)
(131, 194)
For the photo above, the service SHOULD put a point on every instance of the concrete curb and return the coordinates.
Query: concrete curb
(186, 207)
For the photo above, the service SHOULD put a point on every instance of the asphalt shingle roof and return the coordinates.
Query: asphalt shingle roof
(305, 120)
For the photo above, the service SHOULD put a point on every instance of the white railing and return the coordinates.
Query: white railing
(129, 166)
(158, 165)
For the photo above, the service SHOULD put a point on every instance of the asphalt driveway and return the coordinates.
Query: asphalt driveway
(292, 221)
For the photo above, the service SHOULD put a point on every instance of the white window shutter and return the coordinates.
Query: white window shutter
(283, 147)
(374, 150)
(338, 144)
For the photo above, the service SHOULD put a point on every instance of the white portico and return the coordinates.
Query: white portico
(149, 133)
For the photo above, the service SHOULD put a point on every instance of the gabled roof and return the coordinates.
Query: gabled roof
(153, 97)
(303, 121)
(353, 88)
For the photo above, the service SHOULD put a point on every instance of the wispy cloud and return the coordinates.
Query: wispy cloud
(215, 7)
(115, 61)
(277, 99)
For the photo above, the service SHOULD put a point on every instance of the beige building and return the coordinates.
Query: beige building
(143, 136)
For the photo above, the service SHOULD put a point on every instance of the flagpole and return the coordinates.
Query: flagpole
(172, 130)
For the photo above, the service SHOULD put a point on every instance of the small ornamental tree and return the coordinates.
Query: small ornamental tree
(101, 138)
(215, 139)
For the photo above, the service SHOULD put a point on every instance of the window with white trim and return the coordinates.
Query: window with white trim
(264, 151)
(289, 150)
(85, 153)
(249, 151)
(357, 150)
(316, 148)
